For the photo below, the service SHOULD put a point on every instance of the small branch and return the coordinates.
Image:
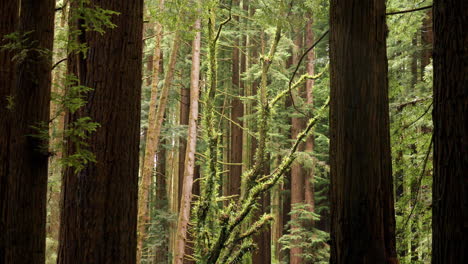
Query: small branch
(60, 8)
(429, 149)
(408, 11)
(224, 23)
(297, 68)
(400, 107)
(57, 63)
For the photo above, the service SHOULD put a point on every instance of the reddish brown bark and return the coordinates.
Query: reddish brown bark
(450, 115)
(363, 222)
(426, 42)
(298, 173)
(25, 95)
(237, 111)
(99, 203)
(161, 252)
(186, 198)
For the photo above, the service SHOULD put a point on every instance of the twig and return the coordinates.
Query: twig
(57, 63)
(408, 11)
(297, 68)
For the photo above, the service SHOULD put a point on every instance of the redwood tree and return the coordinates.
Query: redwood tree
(99, 206)
(362, 210)
(25, 95)
(450, 115)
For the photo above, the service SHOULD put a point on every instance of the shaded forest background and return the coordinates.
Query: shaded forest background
(203, 131)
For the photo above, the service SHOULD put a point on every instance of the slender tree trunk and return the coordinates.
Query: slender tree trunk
(161, 251)
(237, 110)
(25, 91)
(263, 238)
(186, 198)
(298, 173)
(450, 115)
(426, 42)
(151, 142)
(99, 203)
(363, 221)
(309, 147)
(184, 109)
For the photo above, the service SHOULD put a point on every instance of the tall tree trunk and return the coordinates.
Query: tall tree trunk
(363, 221)
(25, 91)
(309, 147)
(184, 109)
(161, 251)
(8, 24)
(237, 110)
(186, 198)
(450, 115)
(151, 142)
(426, 42)
(297, 171)
(99, 203)
(263, 238)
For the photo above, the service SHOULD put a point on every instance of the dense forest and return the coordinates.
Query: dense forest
(233, 131)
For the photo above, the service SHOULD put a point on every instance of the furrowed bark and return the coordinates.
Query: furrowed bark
(450, 116)
(363, 221)
(100, 202)
(25, 96)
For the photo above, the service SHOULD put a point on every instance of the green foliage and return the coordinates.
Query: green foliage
(76, 134)
(301, 234)
(21, 45)
(75, 94)
(411, 131)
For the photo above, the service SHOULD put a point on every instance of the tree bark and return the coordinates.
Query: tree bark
(25, 95)
(151, 142)
(237, 111)
(363, 223)
(298, 173)
(99, 203)
(450, 116)
(161, 252)
(186, 198)
(309, 146)
(8, 24)
(426, 42)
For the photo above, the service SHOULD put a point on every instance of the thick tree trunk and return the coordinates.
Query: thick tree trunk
(363, 221)
(8, 24)
(450, 115)
(186, 198)
(151, 142)
(99, 204)
(25, 92)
